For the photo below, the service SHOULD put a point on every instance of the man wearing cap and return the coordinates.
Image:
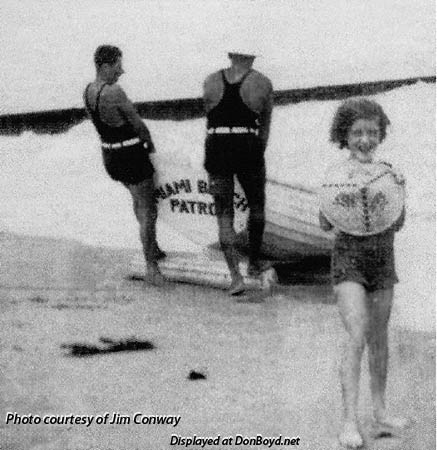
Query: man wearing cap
(238, 102)
(126, 145)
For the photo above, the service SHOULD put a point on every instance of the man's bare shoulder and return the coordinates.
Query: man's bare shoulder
(260, 81)
(213, 78)
(114, 93)
(212, 88)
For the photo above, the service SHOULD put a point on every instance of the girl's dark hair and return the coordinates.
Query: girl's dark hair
(352, 110)
(106, 54)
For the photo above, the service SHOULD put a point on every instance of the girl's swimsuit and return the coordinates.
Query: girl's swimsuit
(367, 260)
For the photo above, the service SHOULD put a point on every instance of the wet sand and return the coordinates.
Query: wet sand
(271, 368)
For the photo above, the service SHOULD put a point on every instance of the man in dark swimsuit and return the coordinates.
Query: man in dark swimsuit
(126, 144)
(238, 102)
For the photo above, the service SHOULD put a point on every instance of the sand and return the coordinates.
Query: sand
(271, 368)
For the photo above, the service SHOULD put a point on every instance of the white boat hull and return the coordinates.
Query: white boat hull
(292, 227)
(292, 221)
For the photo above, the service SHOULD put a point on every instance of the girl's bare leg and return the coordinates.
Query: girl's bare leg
(352, 303)
(377, 339)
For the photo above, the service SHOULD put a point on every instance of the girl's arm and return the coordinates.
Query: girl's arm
(400, 179)
(400, 222)
(325, 225)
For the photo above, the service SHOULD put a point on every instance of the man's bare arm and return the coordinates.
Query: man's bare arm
(86, 104)
(128, 111)
(211, 92)
(266, 116)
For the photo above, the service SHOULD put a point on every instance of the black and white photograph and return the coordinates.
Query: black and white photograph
(217, 224)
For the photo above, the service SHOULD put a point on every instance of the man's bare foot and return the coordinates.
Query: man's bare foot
(256, 268)
(237, 287)
(154, 276)
(154, 279)
(391, 421)
(350, 437)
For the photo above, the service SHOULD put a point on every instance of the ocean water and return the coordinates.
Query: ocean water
(56, 185)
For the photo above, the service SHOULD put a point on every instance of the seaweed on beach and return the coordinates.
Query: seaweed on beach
(82, 349)
(111, 346)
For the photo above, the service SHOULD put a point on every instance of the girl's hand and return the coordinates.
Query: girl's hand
(399, 178)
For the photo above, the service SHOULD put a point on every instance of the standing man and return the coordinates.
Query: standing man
(126, 145)
(238, 102)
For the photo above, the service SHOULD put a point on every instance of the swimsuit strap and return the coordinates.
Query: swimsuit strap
(245, 76)
(87, 104)
(95, 111)
(98, 100)
(238, 82)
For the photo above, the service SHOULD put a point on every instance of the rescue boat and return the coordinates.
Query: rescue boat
(292, 224)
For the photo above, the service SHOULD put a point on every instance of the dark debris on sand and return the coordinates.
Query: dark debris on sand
(384, 434)
(110, 346)
(193, 375)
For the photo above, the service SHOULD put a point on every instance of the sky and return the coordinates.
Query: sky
(170, 46)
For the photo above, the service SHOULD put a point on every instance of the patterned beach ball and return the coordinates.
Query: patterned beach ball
(361, 198)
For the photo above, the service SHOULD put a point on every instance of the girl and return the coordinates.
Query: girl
(363, 275)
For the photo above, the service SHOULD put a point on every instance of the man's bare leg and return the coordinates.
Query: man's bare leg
(256, 225)
(146, 212)
(254, 189)
(351, 300)
(227, 238)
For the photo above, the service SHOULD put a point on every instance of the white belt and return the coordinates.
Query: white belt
(232, 130)
(127, 143)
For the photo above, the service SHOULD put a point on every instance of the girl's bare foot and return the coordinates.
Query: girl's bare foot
(391, 421)
(350, 437)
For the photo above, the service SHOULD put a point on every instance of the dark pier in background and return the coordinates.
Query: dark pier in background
(61, 120)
